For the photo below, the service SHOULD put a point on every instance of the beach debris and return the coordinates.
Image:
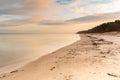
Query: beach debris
(3, 76)
(52, 68)
(6, 75)
(103, 56)
(14, 71)
(91, 37)
(113, 75)
(102, 52)
(95, 44)
(108, 51)
(101, 40)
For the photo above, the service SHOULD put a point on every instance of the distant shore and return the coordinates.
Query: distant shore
(94, 57)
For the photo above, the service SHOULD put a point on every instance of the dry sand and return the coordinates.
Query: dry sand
(91, 58)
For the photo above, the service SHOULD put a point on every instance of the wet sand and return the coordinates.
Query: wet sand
(91, 58)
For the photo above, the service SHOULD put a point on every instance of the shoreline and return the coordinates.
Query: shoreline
(90, 58)
(21, 64)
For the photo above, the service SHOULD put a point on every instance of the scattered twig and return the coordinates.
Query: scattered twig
(113, 75)
(52, 68)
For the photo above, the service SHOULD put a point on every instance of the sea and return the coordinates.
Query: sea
(16, 50)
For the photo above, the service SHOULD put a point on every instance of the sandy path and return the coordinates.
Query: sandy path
(91, 58)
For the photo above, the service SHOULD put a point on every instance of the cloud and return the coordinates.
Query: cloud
(13, 22)
(69, 26)
(51, 22)
(89, 7)
(55, 12)
(38, 4)
(96, 18)
(64, 2)
(32, 10)
(24, 6)
(84, 20)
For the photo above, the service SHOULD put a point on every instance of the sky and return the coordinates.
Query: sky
(55, 16)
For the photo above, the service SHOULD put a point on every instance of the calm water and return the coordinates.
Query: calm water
(16, 48)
